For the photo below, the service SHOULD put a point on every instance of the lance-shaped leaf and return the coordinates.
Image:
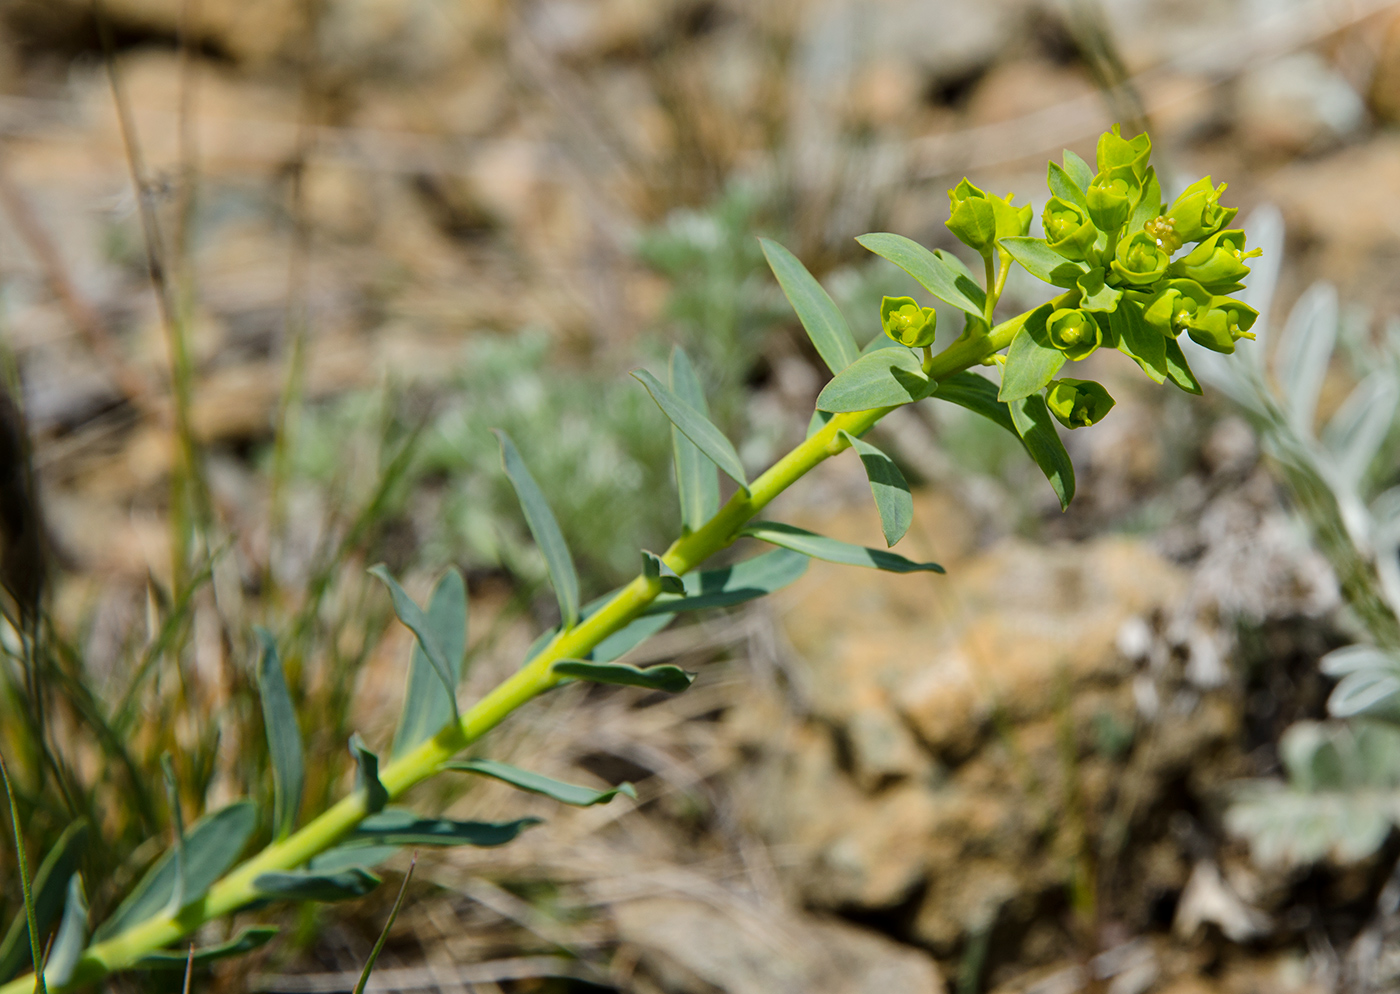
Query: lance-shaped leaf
(1062, 185)
(886, 378)
(72, 936)
(832, 550)
(891, 491)
(367, 774)
(212, 845)
(1178, 371)
(734, 584)
(821, 318)
(1041, 261)
(426, 709)
(671, 679)
(1037, 429)
(253, 937)
(535, 783)
(299, 885)
(49, 889)
(419, 624)
(544, 528)
(696, 427)
(697, 481)
(172, 794)
(1149, 205)
(397, 827)
(1140, 342)
(348, 857)
(932, 272)
(1371, 693)
(1079, 170)
(622, 642)
(655, 568)
(283, 737)
(1032, 361)
(979, 395)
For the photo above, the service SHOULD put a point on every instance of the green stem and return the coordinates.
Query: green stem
(237, 889)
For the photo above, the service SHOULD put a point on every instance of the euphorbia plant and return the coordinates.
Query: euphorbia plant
(1125, 281)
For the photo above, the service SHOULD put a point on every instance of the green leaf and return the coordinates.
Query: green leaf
(212, 845)
(172, 794)
(426, 709)
(655, 568)
(384, 932)
(348, 857)
(49, 889)
(283, 737)
(932, 272)
(1062, 185)
(1095, 294)
(832, 550)
(979, 395)
(426, 638)
(1369, 693)
(697, 482)
(1141, 342)
(1150, 203)
(671, 679)
(1177, 369)
(367, 774)
(397, 827)
(1078, 170)
(622, 642)
(72, 936)
(535, 783)
(1041, 261)
(254, 937)
(887, 378)
(960, 272)
(301, 885)
(26, 891)
(825, 325)
(1032, 361)
(696, 427)
(888, 486)
(734, 584)
(820, 418)
(1037, 429)
(545, 529)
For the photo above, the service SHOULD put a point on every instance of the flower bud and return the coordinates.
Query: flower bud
(1078, 403)
(1111, 196)
(1197, 213)
(1140, 260)
(972, 219)
(1217, 261)
(1114, 151)
(908, 323)
(1174, 306)
(1068, 229)
(1073, 332)
(1221, 323)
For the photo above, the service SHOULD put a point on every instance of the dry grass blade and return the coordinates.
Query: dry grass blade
(189, 970)
(22, 864)
(384, 934)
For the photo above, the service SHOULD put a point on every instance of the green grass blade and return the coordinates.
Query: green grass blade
(734, 584)
(820, 316)
(536, 783)
(832, 550)
(367, 774)
(397, 827)
(72, 936)
(22, 865)
(49, 888)
(172, 796)
(889, 488)
(417, 622)
(295, 885)
(671, 679)
(254, 937)
(697, 481)
(696, 427)
(384, 933)
(545, 529)
(284, 743)
(425, 710)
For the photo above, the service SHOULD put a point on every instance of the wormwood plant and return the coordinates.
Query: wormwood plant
(1125, 281)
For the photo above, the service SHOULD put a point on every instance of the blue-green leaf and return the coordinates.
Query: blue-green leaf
(622, 642)
(545, 529)
(367, 774)
(671, 679)
(820, 418)
(931, 271)
(697, 481)
(1032, 361)
(1177, 369)
(301, 885)
(1041, 261)
(49, 889)
(172, 795)
(426, 709)
(283, 737)
(734, 584)
(535, 783)
(1078, 170)
(72, 936)
(979, 395)
(886, 378)
(350, 856)
(655, 568)
(212, 845)
(418, 623)
(1037, 429)
(825, 325)
(253, 937)
(887, 484)
(1143, 344)
(832, 550)
(696, 427)
(1062, 185)
(397, 827)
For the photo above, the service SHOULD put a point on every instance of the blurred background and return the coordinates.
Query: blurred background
(270, 269)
